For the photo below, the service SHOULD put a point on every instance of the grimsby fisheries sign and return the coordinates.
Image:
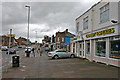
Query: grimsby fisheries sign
(99, 33)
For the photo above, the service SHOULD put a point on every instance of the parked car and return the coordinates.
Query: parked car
(11, 51)
(19, 46)
(61, 54)
(4, 48)
(28, 49)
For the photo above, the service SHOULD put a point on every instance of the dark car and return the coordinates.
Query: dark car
(19, 47)
(4, 48)
(11, 51)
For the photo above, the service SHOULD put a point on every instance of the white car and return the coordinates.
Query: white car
(28, 49)
(4, 48)
(61, 54)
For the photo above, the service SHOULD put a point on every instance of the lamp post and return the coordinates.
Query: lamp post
(28, 22)
(36, 36)
(28, 52)
(8, 50)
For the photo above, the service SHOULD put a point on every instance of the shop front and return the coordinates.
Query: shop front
(88, 49)
(115, 47)
(100, 47)
(103, 46)
(81, 49)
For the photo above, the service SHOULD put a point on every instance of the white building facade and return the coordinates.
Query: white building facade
(98, 39)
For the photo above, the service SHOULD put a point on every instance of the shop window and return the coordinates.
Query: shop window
(80, 49)
(83, 53)
(115, 49)
(76, 48)
(80, 46)
(83, 46)
(101, 48)
(83, 49)
(80, 52)
(88, 48)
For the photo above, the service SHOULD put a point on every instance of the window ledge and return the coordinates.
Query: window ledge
(113, 59)
(99, 56)
(104, 22)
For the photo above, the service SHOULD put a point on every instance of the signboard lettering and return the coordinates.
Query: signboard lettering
(99, 33)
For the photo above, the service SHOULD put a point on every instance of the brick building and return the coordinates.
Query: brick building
(4, 40)
(46, 39)
(63, 40)
(21, 41)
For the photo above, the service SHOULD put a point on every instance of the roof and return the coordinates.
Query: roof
(66, 33)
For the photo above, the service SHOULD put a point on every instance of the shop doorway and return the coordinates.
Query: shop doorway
(81, 49)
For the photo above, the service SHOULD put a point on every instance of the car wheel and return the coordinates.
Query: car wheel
(56, 57)
(72, 56)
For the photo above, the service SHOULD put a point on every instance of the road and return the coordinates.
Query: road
(43, 67)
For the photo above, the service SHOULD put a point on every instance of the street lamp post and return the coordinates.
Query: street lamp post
(8, 50)
(36, 36)
(28, 22)
(28, 52)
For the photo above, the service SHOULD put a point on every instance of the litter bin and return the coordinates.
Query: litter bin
(15, 61)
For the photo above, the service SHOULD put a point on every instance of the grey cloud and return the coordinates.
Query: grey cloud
(52, 14)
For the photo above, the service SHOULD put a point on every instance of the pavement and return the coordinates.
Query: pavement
(44, 67)
(6, 59)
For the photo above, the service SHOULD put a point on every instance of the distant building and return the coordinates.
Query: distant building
(4, 40)
(46, 39)
(21, 41)
(63, 40)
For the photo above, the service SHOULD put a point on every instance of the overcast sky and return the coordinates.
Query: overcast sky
(45, 17)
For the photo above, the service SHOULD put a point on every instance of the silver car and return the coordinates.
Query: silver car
(61, 54)
(4, 48)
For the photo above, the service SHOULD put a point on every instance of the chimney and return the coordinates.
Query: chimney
(66, 30)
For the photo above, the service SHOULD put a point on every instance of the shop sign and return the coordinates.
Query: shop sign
(8, 35)
(74, 38)
(99, 33)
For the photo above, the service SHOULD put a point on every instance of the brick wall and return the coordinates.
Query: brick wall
(60, 35)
